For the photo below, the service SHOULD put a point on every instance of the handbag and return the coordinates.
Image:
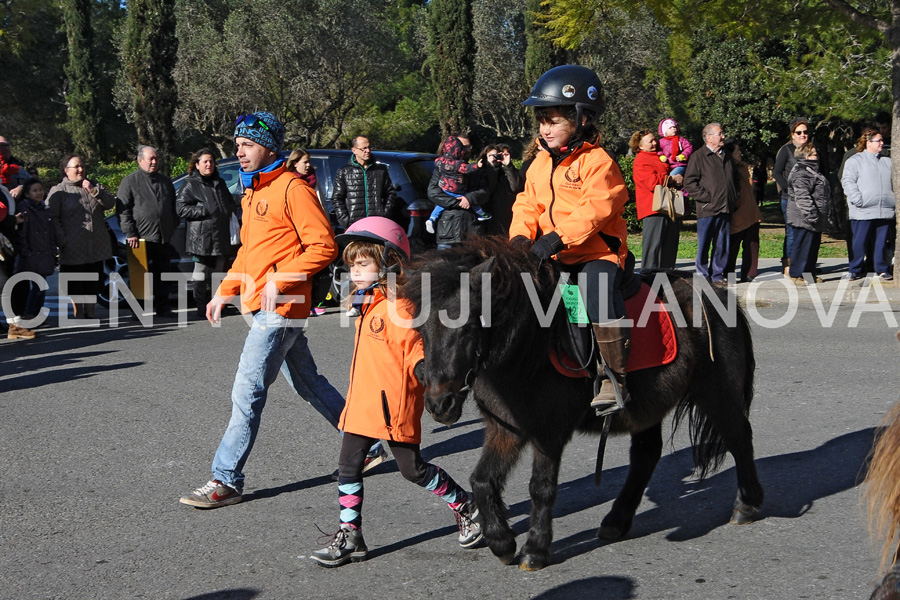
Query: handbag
(234, 227)
(668, 201)
(6, 248)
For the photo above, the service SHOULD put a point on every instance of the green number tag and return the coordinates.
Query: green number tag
(571, 298)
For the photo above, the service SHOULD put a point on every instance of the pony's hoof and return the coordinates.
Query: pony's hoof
(506, 553)
(530, 562)
(744, 517)
(612, 532)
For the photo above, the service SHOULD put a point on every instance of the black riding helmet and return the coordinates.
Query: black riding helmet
(569, 85)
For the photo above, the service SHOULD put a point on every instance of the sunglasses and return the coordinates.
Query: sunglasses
(801, 131)
(252, 120)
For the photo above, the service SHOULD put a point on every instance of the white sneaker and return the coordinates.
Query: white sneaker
(353, 312)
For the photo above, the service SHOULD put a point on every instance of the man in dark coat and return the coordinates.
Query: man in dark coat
(147, 212)
(362, 188)
(710, 180)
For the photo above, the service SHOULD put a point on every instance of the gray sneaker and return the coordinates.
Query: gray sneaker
(212, 495)
(468, 519)
(346, 545)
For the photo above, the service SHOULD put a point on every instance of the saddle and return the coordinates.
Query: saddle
(573, 349)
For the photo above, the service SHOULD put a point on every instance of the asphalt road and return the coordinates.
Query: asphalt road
(103, 429)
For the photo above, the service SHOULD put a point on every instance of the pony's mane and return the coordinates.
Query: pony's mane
(514, 330)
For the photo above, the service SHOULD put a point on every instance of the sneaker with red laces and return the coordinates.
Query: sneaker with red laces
(468, 519)
(212, 495)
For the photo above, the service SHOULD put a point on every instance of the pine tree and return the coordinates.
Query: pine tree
(451, 58)
(149, 54)
(82, 119)
(540, 54)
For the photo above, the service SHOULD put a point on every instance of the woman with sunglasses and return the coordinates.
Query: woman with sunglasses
(784, 163)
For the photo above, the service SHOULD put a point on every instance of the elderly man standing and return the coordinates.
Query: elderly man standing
(362, 187)
(148, 212)
(710, 180)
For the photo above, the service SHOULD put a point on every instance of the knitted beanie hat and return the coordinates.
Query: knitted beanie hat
(665, 124)
(262, 128)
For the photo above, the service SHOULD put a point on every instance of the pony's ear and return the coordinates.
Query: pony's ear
(485, 267)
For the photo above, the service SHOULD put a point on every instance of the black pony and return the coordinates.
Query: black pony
(524, 399)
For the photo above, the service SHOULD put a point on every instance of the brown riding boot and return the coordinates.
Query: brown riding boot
(612, 343)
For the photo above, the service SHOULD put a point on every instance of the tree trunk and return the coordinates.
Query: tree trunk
(895, 124)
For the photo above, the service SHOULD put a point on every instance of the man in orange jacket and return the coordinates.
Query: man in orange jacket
(285, 240)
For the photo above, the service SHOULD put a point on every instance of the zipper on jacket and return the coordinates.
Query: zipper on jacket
(387, 414)
(362, 316)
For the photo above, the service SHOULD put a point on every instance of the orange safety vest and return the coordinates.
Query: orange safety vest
(582, 199)
(385, 400)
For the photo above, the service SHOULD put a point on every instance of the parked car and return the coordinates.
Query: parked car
(410, 173)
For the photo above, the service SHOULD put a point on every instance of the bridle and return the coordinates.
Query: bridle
(478, 363)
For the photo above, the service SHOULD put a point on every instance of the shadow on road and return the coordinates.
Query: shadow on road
(238, 594)
(51, 356)
(590, 588)
(692, 508)
(288, 488)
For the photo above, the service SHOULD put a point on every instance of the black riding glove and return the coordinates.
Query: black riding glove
(547, 245)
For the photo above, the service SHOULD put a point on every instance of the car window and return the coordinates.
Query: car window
(230, 173)
(419, 174)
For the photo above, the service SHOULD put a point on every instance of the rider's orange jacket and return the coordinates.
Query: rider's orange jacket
(582, 199)
(285, 236)
(385, 400)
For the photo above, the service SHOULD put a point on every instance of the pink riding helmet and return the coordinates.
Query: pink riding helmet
(379, 230)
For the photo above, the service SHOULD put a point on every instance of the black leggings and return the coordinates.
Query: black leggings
(355, 448)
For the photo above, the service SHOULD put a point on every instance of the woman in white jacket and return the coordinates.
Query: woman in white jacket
(870, 196)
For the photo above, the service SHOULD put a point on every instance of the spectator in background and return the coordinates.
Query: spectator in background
(744, 221)
(784, 162)
(8, 231)
(148, 213)
(298, 162)
(36, 249)
(659, 248)
(12, 173)
(867, 183)
(363, 187)
(205, 202)
(458, 221)
(808, 211)
(509, 183)
(457, 177)
(77, 205)
(710, 179)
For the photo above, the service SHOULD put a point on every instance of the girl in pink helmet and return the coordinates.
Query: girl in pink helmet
(674, 150)
(386, 395)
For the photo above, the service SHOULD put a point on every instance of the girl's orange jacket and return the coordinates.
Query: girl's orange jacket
(581, 198)
(285, 235)
(385, 400)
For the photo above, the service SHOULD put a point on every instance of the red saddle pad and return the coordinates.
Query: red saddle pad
(653, 344)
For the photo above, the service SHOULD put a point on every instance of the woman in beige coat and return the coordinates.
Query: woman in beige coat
(76, 211)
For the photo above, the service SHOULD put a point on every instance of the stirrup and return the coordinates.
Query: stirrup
(605, 408)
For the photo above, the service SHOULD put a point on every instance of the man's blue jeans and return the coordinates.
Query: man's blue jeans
(272, 345)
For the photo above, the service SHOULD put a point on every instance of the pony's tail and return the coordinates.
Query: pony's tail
(882, 489)
(707, 445)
